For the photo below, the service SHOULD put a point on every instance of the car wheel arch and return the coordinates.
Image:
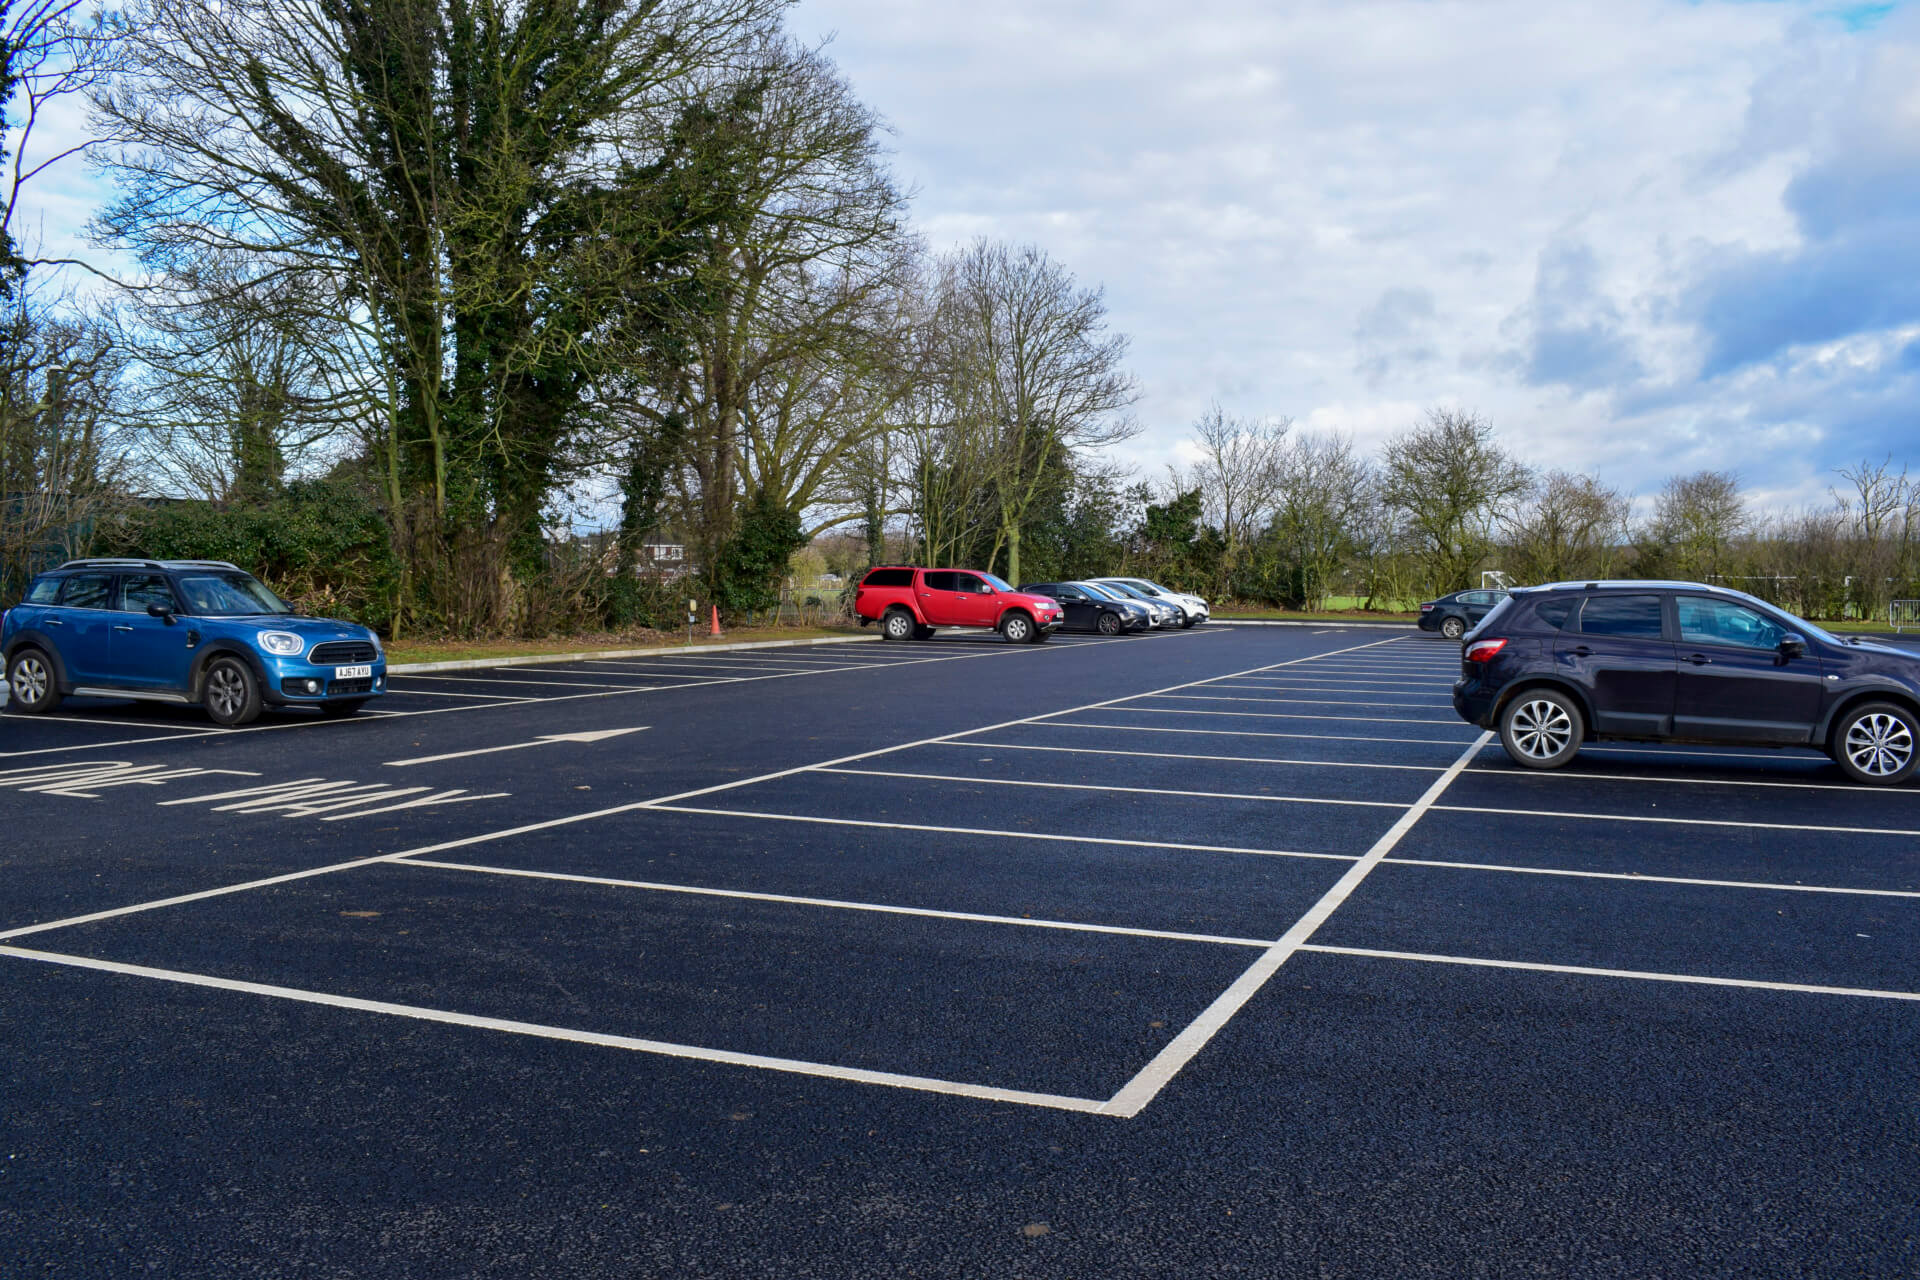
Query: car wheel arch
(197, 679)
(1896, 694)
(44, 643)
(1525, 684)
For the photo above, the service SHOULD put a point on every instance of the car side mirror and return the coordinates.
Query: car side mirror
(161, 612)
(1793, 646)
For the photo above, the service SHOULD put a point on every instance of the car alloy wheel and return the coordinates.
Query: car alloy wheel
(899, 625)
(1877, 744)
(230, 695)
(1453, 628)
(1109, 624)
(1541, 729)
(31, 682)
(1017, 629)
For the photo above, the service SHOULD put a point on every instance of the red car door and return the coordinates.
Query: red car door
(977, 601)
(940, 599)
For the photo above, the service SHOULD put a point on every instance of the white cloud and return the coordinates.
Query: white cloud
(1345, 212)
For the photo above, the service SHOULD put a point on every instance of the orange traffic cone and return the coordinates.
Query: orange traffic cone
(716, 620)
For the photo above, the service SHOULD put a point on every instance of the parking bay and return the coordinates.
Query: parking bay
(1190, 881)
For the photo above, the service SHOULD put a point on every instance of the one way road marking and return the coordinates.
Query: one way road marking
(595, 735)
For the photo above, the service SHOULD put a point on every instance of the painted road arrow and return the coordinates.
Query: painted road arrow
(593, 735)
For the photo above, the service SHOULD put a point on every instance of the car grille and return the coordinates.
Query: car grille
(342, 653)
(350, 686)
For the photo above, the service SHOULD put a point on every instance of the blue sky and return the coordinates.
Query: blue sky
(1643, 238)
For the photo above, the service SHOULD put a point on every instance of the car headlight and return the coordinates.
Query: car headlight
(284, 643)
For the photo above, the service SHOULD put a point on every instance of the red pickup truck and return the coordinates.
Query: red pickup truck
(909, 603)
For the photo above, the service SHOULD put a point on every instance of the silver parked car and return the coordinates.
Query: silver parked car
(1193, 609)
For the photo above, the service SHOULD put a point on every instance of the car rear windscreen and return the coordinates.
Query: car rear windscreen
(889, 578)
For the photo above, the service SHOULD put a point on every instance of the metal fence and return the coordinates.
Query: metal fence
(1902, 614)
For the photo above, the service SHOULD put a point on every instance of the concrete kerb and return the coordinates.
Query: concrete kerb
(601, 655)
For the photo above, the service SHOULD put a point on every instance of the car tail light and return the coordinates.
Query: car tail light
(1483, 650)
(1426, 608)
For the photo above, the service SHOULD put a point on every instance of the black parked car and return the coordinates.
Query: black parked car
(1090, 609)
(1455, 615)
(1555, 666)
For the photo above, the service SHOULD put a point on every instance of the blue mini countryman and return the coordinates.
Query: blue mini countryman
(186, 631)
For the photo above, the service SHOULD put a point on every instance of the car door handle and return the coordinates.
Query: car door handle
(121, 627)
(1580, 651)
(1698, 659)
(55, 622)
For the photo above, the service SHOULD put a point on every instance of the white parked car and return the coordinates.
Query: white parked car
(1193, 609)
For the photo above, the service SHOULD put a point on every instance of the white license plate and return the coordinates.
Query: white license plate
(352, 673)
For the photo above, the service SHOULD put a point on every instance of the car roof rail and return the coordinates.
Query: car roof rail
(107, 562)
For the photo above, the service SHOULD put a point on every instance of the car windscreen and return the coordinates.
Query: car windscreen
(214, 595)
(998, 584)
(1099, 590)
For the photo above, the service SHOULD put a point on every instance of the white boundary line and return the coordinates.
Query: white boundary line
(1155, 1076)
(1681, 781)
(875, 824)
(1241, 733)
(1090, 786)
(665, 1048)
(1269, 715)
(1587, 971)
(1744, 824)
(1634, 877)
(841, 904)
(1185, 755)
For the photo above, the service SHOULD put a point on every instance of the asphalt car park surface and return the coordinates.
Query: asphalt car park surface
(1223, 952)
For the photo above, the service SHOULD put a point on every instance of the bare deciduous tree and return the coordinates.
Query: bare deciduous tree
(1454, 483)
(1571, 526)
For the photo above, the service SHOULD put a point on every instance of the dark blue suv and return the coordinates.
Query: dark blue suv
(1554, 666)
(186, 631)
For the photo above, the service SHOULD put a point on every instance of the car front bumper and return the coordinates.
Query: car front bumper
(294, 681)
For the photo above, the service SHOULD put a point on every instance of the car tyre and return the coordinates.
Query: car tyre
(1541, 728)
(341, 710)
(1017, 628)
(899, 625)
(1110, 624)
(1189, 622)
(230, 693)
(1877, 743)
(1453, 628)
(32, 686)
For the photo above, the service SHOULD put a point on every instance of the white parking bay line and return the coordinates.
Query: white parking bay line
(1088, 786)
(841, 904)
(1586, 971)
(1280, 715)
(1743, 824)
(1188, 755)
(1169, 1062)
(1636, 877)
(1241, 733)
(995, 833)
(664, 1048)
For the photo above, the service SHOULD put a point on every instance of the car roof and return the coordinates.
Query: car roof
(132, 563)
(1632, 584)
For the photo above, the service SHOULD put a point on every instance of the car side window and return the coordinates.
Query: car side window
(45, 591)
(1629, 617)
(889, 578)
(1705, 621)
(969, 583)
(1554, 612)
(943, 581)
(138, 590)
(88, 591)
